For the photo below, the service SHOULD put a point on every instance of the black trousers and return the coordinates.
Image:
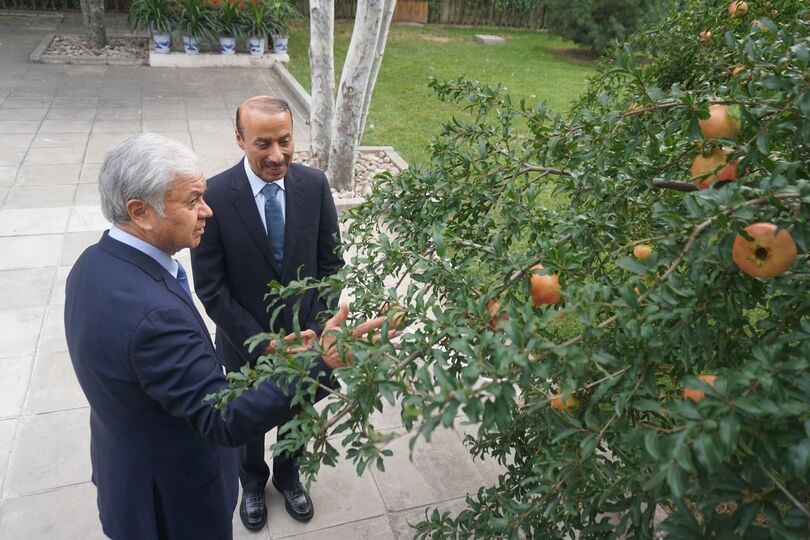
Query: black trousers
(254, 472)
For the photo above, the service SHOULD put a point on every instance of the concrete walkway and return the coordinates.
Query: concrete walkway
(56, 123)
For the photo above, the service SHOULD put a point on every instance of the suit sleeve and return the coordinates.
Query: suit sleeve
(329, 255)
(208, 265)
(177, 367)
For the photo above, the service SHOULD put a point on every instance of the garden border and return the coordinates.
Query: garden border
(38, 56)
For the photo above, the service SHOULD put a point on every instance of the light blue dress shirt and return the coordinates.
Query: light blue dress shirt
(163, 259)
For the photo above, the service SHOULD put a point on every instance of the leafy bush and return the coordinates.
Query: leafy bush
(597, 23)
(512, 184)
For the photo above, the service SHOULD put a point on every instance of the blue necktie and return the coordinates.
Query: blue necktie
(274, 218)
(182, 278)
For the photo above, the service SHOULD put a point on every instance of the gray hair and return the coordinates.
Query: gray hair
(142, 167)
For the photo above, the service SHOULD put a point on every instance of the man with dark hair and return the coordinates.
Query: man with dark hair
(273, 220)
(144, 359)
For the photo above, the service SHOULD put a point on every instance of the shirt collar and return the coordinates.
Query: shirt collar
(163, 259)
(256, 183)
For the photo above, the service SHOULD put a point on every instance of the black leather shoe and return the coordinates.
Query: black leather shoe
(296, 501)
(253, 510)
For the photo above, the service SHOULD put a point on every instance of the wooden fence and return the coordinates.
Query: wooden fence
(60, 5)
(467, 12)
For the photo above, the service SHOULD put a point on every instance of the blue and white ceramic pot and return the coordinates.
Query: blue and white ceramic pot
(280, 44)
(191, 45)
(257, 45)
(227, 45)
(162, 42)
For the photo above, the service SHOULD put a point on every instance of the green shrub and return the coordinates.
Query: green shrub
(598, 23)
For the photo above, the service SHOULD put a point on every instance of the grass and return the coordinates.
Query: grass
(405, 114)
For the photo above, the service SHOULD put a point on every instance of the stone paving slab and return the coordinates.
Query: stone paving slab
(15, 373)
(50, 451)
(67, 513)
(53, 386)
(25, 288)
(436, 473)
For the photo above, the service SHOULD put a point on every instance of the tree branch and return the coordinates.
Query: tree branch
(803, 509)
(544, 170)
(677, 186)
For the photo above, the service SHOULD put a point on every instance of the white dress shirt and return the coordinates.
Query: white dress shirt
(256, 184)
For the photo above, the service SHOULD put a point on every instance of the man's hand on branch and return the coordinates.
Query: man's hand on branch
(365, 331)
(305, 339)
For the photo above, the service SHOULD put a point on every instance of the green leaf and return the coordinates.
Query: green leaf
(762, 141)
(729, 430)
(675, 481)
(651, 444)
(803, 102)
(633, 265)
(588, 445)
(777, 82)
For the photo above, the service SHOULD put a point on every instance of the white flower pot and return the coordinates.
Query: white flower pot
(191, 45)
(227, 45)
(162, 42)
(257, 45)
(280, 44)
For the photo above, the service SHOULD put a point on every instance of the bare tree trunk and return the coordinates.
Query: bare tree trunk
(322, 73)
(351, 92)
(379, 49)
(93, 15)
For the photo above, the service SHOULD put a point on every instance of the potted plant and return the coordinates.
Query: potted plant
(228, 24)
(156, 15)
(258, 22)
(283, 12)
(195, 22)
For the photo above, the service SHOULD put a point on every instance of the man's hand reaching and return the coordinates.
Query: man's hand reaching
(329, 349)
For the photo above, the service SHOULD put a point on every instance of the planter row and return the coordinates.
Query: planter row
(256, 45)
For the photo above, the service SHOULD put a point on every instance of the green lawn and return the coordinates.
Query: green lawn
(404, 113)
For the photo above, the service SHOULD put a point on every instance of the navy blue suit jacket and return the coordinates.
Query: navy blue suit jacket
(233, 263)
(145, 361)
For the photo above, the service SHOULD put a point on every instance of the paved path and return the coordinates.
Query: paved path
(56, 123)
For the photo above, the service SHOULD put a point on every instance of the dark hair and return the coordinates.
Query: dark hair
(264, 104)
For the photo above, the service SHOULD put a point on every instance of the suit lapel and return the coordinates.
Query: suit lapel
(294, 207)
(245, 205)
(153, 269)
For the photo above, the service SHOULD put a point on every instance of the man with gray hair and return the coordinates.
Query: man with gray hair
(145, 361)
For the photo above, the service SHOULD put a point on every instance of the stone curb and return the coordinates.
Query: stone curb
(390, 152)
(294, 87)
(342, 205)
(37, 57)
(206, 60)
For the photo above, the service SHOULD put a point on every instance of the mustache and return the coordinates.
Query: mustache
(274, 163)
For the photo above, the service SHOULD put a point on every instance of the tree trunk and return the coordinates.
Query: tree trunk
(382, 38)
(322, 74)
(351, 93)
(93, 15)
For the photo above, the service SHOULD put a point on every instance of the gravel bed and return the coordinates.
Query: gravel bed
(125, 47)
(367, 165)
